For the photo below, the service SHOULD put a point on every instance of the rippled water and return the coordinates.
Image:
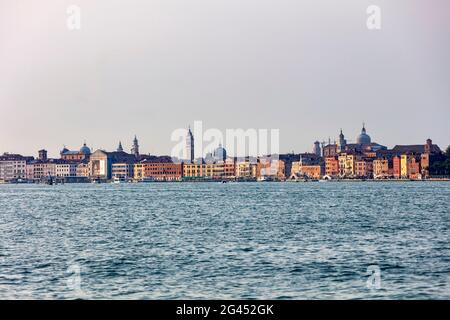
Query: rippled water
(231, 241)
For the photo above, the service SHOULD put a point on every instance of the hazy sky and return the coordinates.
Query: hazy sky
(149, 67)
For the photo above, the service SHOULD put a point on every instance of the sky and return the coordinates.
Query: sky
(307, 68)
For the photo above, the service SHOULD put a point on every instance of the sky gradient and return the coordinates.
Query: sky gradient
(147, 68)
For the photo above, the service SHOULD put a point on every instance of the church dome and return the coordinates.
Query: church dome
(220, 153)
(85, 149)
(363, 137)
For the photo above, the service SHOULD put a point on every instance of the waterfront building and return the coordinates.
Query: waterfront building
(208, 170)
(364, 168)
(289, 158)
(332, 166)
(414, 167)
(191, 170)
(158, 171)
(224, 169)
(270, 169)
(429, 153)
(200, 170)
(65, 169)
(383, 168)
(203, 170)
(347, 164)
(13, 167)
(190, 146)
(12, 170)
(308, 171)
(410, 167)
(76, 155)
(396, 167)
(82, 169)
(100, 163)
(404, 166)
(310, 165)
(38, 169)
(138, 171)
(122, 170)
(246, 169)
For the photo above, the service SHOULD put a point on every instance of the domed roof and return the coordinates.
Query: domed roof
(220, 153)
(85, 149)
(363, 137)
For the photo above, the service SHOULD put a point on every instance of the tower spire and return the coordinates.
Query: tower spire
(135, 149)
(190, 146)
(120, 148)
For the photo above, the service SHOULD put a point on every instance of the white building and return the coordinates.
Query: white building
(11, 170)
(38, 170)
(122, 170)
(66, 169)
(13, 167)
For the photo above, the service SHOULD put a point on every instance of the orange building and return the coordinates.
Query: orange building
(382, 168)
(159, 171)
(332, 166)
(76, 156)
(364, 168)
(270, 169)
(313, 171)
(414, 168)
(396, 167)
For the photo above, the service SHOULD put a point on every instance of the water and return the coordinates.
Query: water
(226, 241)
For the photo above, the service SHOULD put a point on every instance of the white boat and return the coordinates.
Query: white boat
(119, 180)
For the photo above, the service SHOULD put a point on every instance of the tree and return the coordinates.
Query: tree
(447, 152)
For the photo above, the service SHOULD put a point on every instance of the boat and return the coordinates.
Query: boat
(119, 180)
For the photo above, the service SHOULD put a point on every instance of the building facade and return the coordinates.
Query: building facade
(332, 166)
(77, 155)
(13, 167)
(122, 171)
(158, 171)
(65, 169)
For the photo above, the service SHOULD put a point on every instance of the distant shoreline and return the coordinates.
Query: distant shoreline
(238, 182)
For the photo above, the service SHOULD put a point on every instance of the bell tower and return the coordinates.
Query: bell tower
(135, 149)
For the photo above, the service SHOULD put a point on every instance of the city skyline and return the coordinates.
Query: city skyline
(306, 69)
(130, 147)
